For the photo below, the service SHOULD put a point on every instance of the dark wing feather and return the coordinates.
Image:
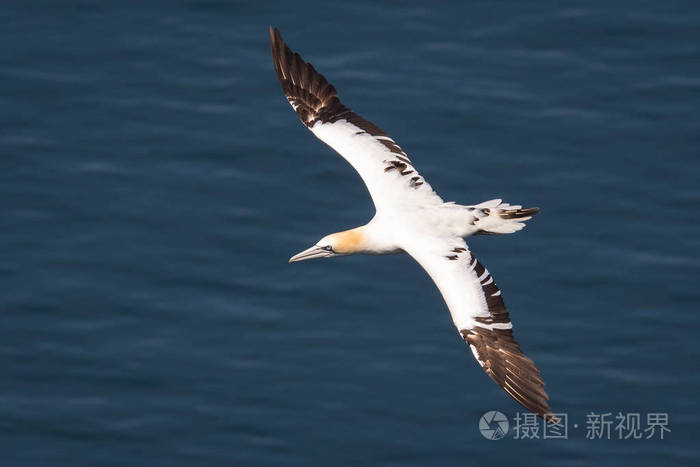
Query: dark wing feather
(385, 168)
(480, 315)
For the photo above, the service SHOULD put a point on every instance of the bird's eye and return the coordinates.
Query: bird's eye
(327, 248)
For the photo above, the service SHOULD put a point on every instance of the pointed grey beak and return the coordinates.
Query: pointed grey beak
(313, 252)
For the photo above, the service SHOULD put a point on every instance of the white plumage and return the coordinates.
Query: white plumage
(410, 217)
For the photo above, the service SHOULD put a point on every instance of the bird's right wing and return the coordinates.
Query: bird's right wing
(389, 174)
(480, 315)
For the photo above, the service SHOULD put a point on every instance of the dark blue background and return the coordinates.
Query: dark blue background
(154, 181)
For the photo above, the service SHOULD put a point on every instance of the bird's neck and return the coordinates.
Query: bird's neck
(351, 241)
(368, 239)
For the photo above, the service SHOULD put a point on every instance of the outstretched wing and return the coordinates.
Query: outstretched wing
(480, 315)
(385, 168)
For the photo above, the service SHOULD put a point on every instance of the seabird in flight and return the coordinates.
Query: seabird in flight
(410, 217)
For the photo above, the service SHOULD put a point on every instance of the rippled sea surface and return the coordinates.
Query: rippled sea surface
(154, 181)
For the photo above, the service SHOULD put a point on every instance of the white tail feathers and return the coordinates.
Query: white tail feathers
(495, 217)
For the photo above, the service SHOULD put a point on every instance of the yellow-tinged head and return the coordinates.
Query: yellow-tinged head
(337, 244)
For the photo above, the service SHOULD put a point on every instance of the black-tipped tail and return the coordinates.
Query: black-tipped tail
(518, 213)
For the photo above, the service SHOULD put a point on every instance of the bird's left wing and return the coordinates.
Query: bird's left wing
(480, 315)
(385, 168)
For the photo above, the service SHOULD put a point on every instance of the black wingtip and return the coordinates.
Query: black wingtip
(274, 34)
(279, 52)
(276, 41)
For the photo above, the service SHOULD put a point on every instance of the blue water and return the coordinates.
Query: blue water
(154, 182)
